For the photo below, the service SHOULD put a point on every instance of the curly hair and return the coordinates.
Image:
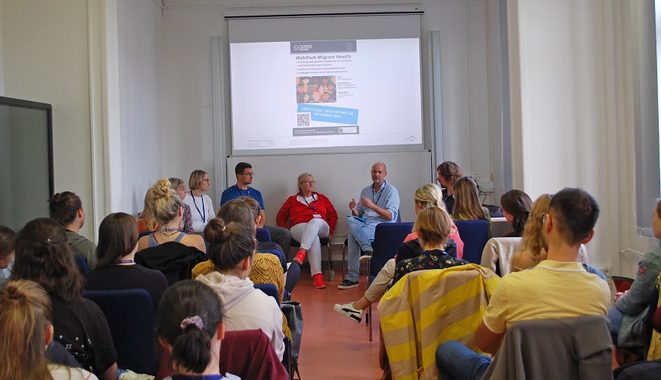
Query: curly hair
(450, 171)
(43, 255)
(532, 240)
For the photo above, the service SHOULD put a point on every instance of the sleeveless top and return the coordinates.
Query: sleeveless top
(154, 243)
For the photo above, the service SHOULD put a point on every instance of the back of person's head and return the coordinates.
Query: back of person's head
(450, 171)
(238, 211)
(25, 315)
(429, 195)
(229, 244)
(516, 203)
(164, 203)
(188, 317)
(575, 213)
(64, 206)
(253, 205)
(433, 225)
(196, 178)
(118, 236)
(467, 203)
(532, 239)
(43, 255)
(7, 238)
(240, 167)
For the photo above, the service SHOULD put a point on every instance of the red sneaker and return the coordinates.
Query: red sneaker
(318, 281)
(300, 256)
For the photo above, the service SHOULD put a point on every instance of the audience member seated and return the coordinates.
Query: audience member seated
(309, 216)
(43, 255)
(190, 327)
(447, 174)
(25, 320)
(169, 250)
(231, 250)
(429, 195)
(199, 203)
(633, 304)
(7, 237)
(244, 176)
(245, 211)
(467, 202)
(516, 208)
(179, 187)
(67, 209)
(116, 269)
(379, 203)
(556, 288)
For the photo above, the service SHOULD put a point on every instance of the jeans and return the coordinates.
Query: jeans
(615, 322)
(308, 234)
(456, 361)
(361, 235)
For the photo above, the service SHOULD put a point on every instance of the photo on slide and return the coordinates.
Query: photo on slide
(316, 89)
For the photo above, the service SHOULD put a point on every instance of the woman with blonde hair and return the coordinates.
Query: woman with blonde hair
(309, 216)
(25, 320)
(167, 210)
(200, 204)
(533, 247)
(467, 204)
(426, 196)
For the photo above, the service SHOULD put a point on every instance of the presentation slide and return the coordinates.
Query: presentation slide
(325, 94)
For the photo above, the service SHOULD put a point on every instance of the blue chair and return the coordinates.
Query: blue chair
(270, 290)
(263, 235)
(132, 320)
(475, 234)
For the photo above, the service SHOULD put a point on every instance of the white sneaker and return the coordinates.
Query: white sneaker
(349, 311)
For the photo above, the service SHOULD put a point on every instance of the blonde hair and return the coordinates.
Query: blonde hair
(196, 178)
(162, 203)
(429, 195)
(467, 203)
(25, 314)
(433, 225)
(301, 178)
(532, 240)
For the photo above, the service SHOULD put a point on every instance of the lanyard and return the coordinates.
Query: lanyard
(310, 205)
(380, 192)
(203, 214)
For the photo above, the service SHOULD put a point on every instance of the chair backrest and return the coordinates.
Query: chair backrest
(270, 290)
(428, 307)
(131, 318)
(571, 348)
(387, 238)
(263, 235)
(497, 254)
(475, 234)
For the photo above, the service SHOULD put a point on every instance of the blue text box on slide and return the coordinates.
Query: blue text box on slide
(330, 114)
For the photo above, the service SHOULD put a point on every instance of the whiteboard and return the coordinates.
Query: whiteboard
(339, 176)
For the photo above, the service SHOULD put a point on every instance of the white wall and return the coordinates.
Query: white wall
(45, 58)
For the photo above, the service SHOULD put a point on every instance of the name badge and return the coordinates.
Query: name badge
(316, 215)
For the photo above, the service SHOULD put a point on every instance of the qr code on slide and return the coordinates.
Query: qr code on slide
(303, 120)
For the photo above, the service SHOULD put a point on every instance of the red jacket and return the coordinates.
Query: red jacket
(294, 212)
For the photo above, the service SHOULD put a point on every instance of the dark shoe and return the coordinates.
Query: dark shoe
(347, 284)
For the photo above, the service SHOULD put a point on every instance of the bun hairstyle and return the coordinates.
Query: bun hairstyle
(118, 236)
(229, 244)
(43, 255)
(25, 314)
(433, 225)
(163, 201)
(516, 203)
(64, 206)
(188, 317)
(429, 195)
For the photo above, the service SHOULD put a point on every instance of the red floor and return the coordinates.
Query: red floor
(333, 346)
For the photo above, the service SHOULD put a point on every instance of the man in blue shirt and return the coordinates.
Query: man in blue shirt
(244, 175)
(379, 203)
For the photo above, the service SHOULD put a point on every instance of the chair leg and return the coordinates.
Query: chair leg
(368, 320)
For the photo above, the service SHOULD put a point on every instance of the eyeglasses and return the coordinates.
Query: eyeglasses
(310, 182)
(206, 180)
(251, 174)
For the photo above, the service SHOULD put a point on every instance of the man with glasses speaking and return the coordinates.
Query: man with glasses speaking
(244, 175)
